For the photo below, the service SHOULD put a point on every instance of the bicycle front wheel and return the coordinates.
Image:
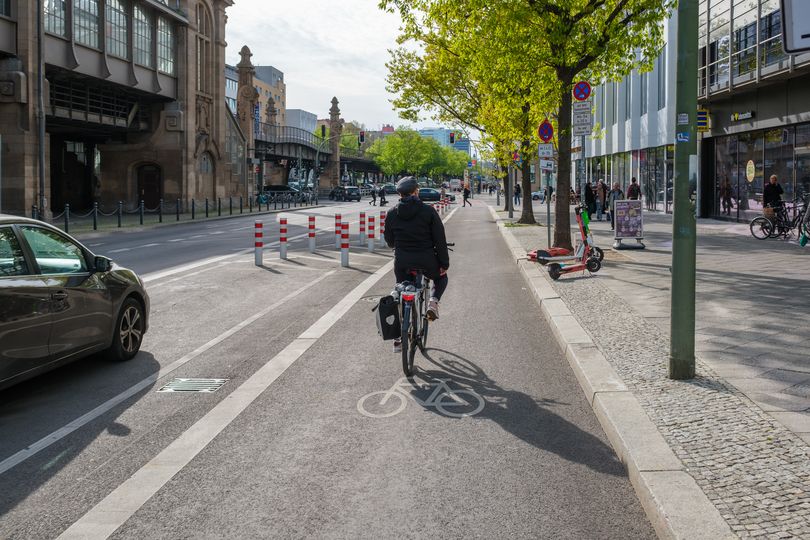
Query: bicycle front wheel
(761, 227)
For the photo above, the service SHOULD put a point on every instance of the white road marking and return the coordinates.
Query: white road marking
(177, 240)
(66, 430)
(119, 250)
(443, 398)
(146, 246)
(116, 508)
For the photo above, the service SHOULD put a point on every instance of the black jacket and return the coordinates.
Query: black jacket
(772, 194)
(413, 228)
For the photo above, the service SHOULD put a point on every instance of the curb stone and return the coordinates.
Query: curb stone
(674, 503)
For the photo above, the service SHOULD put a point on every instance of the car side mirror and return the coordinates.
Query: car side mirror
(102, 264)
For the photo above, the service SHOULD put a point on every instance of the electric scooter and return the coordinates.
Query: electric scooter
(561, 261)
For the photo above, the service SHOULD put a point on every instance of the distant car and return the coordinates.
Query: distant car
(429, 194)
(538, 196)
(60, 302)
(351, 193)
(390, 188)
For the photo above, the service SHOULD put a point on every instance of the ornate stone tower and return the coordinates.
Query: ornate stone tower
(335, 130)
(270, 112)
(247, 97)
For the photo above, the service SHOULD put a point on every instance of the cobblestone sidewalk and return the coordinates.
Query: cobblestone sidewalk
(754, 470)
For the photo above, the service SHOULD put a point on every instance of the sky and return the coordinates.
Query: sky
(325, 48)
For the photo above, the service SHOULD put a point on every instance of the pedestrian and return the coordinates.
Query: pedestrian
(601, 195)
(614, 195)
(517, 194)
(373, 195)
(443, 193)
(466, 195)
(590, 198)
(772, 194)
(381, 192)
(633, 190)
(725, 196)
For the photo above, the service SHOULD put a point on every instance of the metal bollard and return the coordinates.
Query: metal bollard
(160, 211)
(177, 210)
(67, 218)
(250, 205)
(259, 242)
(337, 230)
(344, 245)
(193, 206)
(95, 216)
(312, 234)
(121, 212)
(219, 206)
(230, 206)
(240, 204)
(371, 234)
(206, 207)
(362, 227)
(382, 228)
(140, 211)
(283, 238)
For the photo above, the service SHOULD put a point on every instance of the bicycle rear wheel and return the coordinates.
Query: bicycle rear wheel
(761, 227)
(409, 339)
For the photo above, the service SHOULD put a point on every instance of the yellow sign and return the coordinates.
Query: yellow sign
(750, 170)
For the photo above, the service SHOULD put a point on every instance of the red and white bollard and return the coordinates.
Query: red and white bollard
(312, 234)
(337, 231)
(259, 242)
(282, 241)
(344, 245)
(370, 234)
(362, 227)
(382, 228)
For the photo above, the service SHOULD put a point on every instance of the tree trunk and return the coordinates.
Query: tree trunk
(527, 212)
(562, 209)
(507, 186)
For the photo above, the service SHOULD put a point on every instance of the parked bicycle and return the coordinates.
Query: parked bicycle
(782, 224)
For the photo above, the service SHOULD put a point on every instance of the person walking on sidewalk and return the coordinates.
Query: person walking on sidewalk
(416, 233)
(466, 196)
(381, 192)
(614, 195)
(725, 196)
(373, 201)
(517, 194)
(633, 190)
(590, 198)
(601, 195)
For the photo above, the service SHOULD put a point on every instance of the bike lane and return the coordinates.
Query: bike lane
(311, 457)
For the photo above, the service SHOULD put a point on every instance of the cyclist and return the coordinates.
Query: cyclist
(416, 233)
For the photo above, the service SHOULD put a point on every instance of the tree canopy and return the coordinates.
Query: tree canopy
(407, 152)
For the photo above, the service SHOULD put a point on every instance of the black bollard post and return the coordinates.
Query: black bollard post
(140, 212)
(230, 206)
(67, 218)
(240, 204)
(33, 211)
(275, 203)
(193, 207)
(219, 206)
(206, 207)
(95, 216)
(250, 205)
(120, 212)
(177, 210)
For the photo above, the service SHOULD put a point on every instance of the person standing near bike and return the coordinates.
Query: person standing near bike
(416, 233)
(772, 194)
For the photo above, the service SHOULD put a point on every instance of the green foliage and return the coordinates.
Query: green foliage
(407, 152)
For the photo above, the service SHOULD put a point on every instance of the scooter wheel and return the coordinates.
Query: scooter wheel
(593, 265)
(554, 271)
(542, 256)
(598, 253)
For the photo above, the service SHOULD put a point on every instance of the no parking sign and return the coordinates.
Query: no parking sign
(582, 90)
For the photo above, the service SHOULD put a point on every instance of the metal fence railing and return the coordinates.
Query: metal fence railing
(126, 214)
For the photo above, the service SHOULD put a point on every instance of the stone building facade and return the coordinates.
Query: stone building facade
(134, 103)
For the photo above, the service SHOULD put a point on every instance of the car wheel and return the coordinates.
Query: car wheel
(128, 331)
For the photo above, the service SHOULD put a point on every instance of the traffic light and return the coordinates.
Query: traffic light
(452, 138)
(362, 137)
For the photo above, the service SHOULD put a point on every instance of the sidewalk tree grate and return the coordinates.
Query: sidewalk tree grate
(193, 385)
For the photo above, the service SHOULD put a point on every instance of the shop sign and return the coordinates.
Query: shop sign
(750, 171)
(740, 116)
(629, 220)
(702, 120)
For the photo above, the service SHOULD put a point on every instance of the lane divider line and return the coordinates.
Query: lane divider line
(116, 508)
(61, 433)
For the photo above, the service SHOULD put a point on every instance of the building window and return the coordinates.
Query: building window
(204, 39)
(610, 104)
(645, 78)
(661, 68)
(165, 46)
(5, 8)
(85, 22)
(55, 17)
(745, 43)
(627, 95)
(770, 36)
(142, 38)
(117, 28)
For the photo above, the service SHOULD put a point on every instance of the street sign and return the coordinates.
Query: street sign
(796, 25)
(582, 106)
(545, 131)
(682, 137)
(547, 164)
(581, 131)
(583, 119)
(683, 119)
(702, 120)
(582, 90)
(545, 150)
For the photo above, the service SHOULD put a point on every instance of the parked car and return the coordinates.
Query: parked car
(60, 302)
(538, 195)
(429, 194)
(352, 193)
(390, 188)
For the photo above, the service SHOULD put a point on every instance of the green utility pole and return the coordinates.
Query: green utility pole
(682, 329)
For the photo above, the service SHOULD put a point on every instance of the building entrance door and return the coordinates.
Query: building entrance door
(150, 185)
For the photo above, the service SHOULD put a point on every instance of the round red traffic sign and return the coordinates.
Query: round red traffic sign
(582, 90)
(545, 131)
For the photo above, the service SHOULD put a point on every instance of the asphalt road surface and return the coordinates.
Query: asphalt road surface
(314, 432)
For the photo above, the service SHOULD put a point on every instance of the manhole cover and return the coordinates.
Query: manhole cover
(193, 385)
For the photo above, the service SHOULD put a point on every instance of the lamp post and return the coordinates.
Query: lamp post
(40, 110)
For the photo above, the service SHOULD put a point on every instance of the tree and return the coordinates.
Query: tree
(526, 55)
(408, 152)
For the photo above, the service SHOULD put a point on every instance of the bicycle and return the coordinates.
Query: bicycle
(763, 227)
(449, 402)
(413, 301)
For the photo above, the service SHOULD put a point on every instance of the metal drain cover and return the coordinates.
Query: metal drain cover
(193, 385)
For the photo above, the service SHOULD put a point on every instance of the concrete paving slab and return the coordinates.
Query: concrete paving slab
(593, 371)
(798, 422)
(567, 330)
(555, 307)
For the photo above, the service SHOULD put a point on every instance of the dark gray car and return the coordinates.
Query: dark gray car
(59, 302)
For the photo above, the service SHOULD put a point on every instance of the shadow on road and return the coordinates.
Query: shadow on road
(522, 415)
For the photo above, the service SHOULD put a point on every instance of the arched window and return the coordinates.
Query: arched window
(204, 44)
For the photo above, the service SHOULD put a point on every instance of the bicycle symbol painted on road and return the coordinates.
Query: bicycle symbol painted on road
(449, 402)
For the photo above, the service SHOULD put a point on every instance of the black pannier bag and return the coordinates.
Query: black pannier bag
(388, 324)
